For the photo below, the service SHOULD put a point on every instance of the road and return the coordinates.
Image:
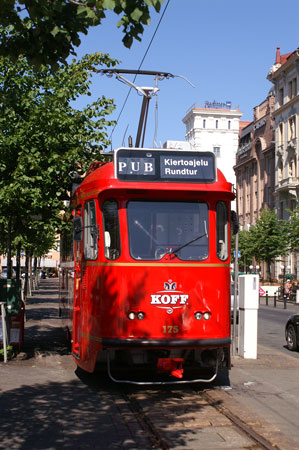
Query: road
(271, 326)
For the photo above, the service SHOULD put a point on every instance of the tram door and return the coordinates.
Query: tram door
(77, 282)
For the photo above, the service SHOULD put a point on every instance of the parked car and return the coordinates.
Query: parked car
(292, 332)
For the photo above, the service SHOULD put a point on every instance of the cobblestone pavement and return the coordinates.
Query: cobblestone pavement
(47, 403)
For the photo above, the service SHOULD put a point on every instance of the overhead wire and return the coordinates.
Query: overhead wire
(140, 65)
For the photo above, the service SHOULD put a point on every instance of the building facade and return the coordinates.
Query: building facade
(215, 128)
(255, 164)
(255, 168)
(284, 75)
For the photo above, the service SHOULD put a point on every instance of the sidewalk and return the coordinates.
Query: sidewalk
(268, 386)
(45, 405)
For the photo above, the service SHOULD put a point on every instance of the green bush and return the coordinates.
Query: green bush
(10, 353)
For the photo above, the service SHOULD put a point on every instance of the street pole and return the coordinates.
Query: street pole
(236, 270)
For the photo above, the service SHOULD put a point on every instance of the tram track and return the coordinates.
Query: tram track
(253, 435)
(191, 417)
(152, 432)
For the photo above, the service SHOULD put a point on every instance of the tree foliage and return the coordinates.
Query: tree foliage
(45, 141)
(47, 32)
(244, 247)
(293, 229)
(267, 239)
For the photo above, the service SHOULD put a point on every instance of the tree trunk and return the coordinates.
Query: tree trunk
(18, 265)
(8, 258)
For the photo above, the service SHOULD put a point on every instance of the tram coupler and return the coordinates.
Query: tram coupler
(173, 366)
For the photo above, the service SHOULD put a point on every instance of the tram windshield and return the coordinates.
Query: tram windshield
(157, 228)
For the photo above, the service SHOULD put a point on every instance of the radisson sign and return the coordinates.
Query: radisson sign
(218, 105)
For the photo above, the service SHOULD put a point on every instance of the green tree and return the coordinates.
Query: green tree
(47, 32)
(44, 142)
(293, 229)
(245, 249)
(268, 238)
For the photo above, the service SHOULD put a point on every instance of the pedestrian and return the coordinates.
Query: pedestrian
(287, 287)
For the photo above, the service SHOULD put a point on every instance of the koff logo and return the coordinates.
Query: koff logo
(170, 298)
(170, 285)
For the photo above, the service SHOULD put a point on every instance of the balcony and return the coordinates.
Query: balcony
(288, 185)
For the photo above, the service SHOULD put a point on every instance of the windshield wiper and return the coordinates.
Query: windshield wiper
(172, 251)
(176, 250)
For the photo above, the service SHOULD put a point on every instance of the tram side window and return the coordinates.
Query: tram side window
(90, 231)
(221, 231)
(111, 229)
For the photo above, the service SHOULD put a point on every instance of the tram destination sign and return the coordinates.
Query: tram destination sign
(134, 164)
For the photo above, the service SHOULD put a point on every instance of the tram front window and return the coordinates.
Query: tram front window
(157, 228)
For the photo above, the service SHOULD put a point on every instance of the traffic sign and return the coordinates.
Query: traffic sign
(262, 292)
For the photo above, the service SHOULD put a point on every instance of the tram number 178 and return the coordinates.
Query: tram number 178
(169, 329)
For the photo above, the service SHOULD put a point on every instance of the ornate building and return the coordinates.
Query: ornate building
(284, 75)
(267, 168)
(255, 164)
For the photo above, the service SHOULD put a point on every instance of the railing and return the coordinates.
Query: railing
(280, 297)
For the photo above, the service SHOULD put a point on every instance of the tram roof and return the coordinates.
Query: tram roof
(103, 178)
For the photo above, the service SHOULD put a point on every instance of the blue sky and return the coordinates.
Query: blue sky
(225, 48)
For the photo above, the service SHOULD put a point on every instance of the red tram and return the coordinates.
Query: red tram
(149, 282)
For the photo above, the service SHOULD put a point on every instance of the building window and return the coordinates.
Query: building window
(280, 97)
(293, 204)
(281, 211)
(280, 170)
(292, 167)
(216, 151)
(269, 196)
(292, 88)
(280, 134)
(229, 125)
(247, 176)
(216, 124)
(292, 128)
(204, 123)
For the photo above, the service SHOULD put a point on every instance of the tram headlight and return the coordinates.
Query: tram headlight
(198, 315)
(131, 315)
(140, 315)
(206, 315)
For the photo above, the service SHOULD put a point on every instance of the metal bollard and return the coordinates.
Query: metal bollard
(284, 302)
(275, 299)
(267, 298)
